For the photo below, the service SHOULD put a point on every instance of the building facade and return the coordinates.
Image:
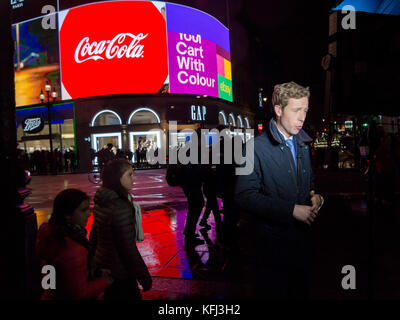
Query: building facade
(124, 81)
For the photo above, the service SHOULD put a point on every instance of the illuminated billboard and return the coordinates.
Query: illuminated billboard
(36, 60)
(198, 53)
(122, 47)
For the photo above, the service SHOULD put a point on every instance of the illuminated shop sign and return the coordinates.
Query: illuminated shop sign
(59, 113)
(123, 47)
(348, 124)
(198, 113)
(17, 4)
(33, 124)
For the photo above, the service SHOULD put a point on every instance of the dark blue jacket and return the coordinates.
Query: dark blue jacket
(271, 191)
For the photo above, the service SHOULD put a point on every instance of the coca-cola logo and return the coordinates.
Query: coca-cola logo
(114, 47)
(111, 48)
(33, 124)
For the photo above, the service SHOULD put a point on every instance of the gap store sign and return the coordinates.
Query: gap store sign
(121, 47)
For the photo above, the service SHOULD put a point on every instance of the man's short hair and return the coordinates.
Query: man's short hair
(283, 92)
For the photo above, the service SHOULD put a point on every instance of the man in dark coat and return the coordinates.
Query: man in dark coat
(280, 200)
(226, 180)
(192, 181)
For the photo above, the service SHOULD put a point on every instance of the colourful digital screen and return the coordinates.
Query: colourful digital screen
(36, 60)
(372, 6)
(123, 47)
(198, 53)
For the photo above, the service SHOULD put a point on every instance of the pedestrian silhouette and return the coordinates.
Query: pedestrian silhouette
(116, 229)
(62, 243)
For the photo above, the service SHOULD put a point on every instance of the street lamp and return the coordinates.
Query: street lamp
(41, 96)
(47, 88)
(54, 95)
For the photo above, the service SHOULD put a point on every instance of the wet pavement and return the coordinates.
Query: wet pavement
(341, 237)
(178, 272)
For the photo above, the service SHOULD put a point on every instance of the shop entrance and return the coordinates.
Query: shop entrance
(100, 141)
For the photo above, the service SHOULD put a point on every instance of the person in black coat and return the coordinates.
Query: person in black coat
(226, 180)
(192, 181)
(280, 200)
(116, 229)
(210, 192)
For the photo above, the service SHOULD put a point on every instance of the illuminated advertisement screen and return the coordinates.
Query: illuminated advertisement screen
(198, 53)
(36, 60)
(121, 47)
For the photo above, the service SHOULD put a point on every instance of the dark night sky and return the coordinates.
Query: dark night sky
(274, 42)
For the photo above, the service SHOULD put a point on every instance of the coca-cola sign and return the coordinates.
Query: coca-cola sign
(87, 50)
(33, 124)
(113, 47)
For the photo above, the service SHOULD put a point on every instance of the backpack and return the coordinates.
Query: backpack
(174, 175)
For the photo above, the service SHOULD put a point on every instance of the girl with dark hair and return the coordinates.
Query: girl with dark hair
(62, 243)
(116, 228)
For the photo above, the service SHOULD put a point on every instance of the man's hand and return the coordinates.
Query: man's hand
(304, 214)
(316, 201)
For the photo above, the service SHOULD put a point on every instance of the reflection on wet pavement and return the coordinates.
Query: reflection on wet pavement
(163, 221)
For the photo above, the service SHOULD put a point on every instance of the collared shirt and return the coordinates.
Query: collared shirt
(294, 151)
(284, 137)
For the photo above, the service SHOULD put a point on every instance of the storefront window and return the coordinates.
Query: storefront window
(100, 141)
(247, 122)
(143, 116)
(142, 142)
(62, 127)
(222, 118)
(178, 139)
(231, 120)
(106, 118)
(240, 121)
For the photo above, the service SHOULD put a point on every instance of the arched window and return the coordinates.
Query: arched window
(231, 120)
(143, 116)
(222, 118)
(240, 122)
(106, 118)
(247, 122)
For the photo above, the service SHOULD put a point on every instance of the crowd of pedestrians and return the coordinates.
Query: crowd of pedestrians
(203, 185)
(43, 161)
(107, 266)
(110, 152)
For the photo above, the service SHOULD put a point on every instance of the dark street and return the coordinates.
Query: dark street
(196, 150)
(340, 237)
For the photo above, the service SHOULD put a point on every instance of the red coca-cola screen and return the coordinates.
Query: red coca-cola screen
(112, 47)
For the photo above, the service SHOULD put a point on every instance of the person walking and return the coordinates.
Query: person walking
(226, 180)
(210, 192)
(62, 243)
(116, 228)
(192, 180)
